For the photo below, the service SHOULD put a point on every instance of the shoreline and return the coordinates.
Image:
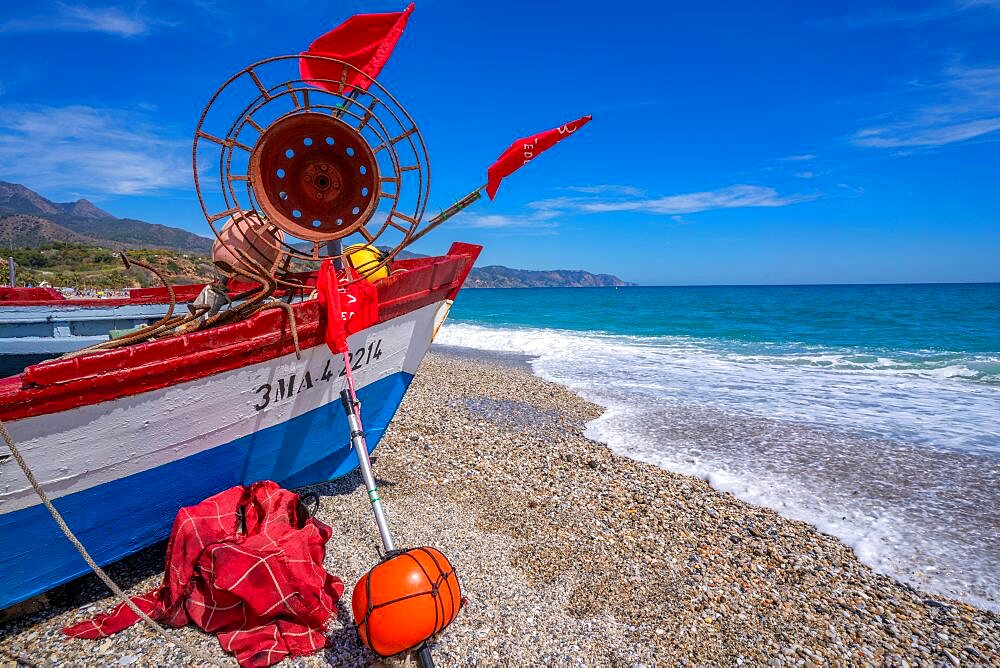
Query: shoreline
(894, 453)
(572, 554)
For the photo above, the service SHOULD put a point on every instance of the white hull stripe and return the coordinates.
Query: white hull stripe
(91, 445)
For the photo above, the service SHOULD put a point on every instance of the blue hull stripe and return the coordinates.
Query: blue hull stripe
(120, 517)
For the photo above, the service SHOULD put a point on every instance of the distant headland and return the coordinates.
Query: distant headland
(68, 244)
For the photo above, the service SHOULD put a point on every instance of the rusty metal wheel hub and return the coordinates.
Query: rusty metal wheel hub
(314, 176)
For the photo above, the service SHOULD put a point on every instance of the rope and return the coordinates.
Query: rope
(98, 571)
(145, 333)
(292, 326)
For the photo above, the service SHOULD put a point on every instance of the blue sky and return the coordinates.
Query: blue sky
(731, 142)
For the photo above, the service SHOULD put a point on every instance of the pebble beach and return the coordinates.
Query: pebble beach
(568, 554)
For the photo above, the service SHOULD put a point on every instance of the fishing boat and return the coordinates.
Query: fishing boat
(320, 167)
(122, 439)
(41, 323)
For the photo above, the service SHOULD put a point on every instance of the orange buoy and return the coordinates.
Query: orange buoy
(405, 600)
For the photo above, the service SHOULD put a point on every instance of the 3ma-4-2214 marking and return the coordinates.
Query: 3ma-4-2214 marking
(284, 388)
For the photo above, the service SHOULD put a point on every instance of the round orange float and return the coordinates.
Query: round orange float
(405, 600)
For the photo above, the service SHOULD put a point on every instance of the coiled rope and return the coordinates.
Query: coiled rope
(171, 637)
(259, 300)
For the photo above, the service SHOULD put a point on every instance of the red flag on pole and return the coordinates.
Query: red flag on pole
(348, 309)
(365, 41)
(328, 292)
(526, 148)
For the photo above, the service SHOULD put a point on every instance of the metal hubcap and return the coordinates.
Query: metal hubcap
(314, 176)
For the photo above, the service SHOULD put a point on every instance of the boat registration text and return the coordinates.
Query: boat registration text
(293, 384)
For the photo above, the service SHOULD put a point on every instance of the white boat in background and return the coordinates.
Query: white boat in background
(41, 323)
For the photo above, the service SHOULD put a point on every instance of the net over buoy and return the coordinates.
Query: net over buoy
(405, 600)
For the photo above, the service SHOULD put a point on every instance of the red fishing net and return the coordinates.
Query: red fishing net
(247, 565)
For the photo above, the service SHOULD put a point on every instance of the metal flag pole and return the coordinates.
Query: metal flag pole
(350, 401)
(520, 153)
(349, 398)
(455, 208)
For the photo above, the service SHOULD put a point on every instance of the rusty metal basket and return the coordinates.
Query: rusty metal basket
(300, 168)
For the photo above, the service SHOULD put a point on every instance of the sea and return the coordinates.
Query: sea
(870, 411)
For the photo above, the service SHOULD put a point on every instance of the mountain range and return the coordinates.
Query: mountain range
(498, 276)
(29, 220)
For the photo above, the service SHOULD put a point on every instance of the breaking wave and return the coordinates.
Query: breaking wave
(882, 448)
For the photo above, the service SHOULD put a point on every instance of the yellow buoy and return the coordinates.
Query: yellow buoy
(365, 258)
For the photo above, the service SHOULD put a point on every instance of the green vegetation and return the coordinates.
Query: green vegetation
(80, 266)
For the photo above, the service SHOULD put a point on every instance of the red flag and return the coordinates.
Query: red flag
(365, 41)
(526, 148)
(348, 309)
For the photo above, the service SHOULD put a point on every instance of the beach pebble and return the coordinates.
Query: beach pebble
(569, 555)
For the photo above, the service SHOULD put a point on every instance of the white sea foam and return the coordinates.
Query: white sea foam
(881, 396)
(885, 452)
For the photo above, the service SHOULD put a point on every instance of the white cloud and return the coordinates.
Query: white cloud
(962, 105)
(875, 16)
(489, 221)
(730, 197)
(605, 189)
(77, 18)
(552, 206)
(496, 221)
(851, 191)
(804, 157)
(896, 137)
(89, 150)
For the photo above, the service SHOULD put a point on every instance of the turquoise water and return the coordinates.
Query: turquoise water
(928, 325)
(871, 411)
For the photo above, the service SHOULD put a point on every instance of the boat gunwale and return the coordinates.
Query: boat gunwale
(137, 296)
(57, 385)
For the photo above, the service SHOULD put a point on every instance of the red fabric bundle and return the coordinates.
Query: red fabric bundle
(262, 590)
(347, 309)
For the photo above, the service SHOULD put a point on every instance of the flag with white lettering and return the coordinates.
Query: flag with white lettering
(523, 150)
(348, 308)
